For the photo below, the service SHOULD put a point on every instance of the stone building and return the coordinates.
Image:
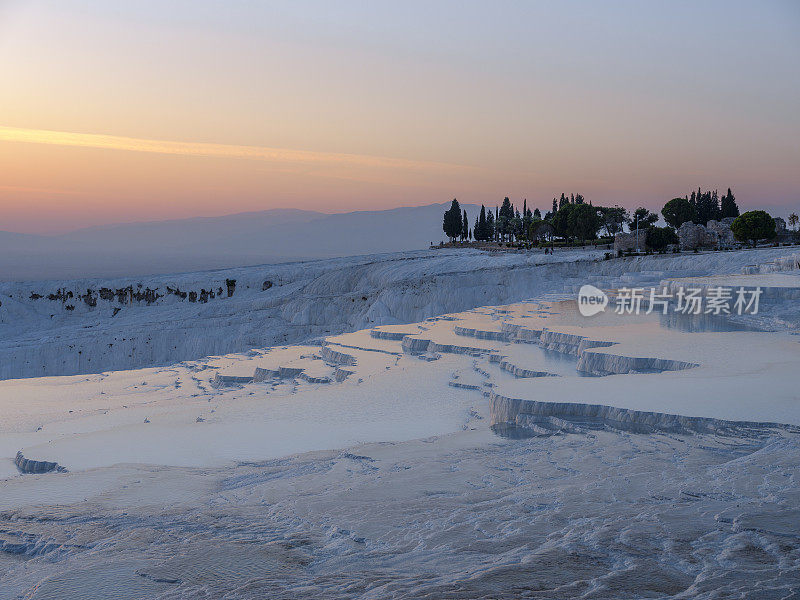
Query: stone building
(724, 235)
(627, 241)
(716, 235)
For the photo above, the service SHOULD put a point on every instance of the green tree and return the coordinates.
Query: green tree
(613, 218)
(793, 219)
(678, 211)
(517, 226)
(752, 226)
(505, 219)
(707, 207)
(658, 238)
(727, 206)
(583, 221)
(527, 219)
(542, 231)
(561, 220)
(490, 228)
(643, 218)
(464, 226)
(451, 224)
(479, 230)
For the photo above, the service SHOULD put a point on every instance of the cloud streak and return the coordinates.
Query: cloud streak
(279, 156)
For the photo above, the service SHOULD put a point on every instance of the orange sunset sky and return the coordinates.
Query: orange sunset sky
(131, 111)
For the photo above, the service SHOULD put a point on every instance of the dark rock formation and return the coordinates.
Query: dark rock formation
(28, 466)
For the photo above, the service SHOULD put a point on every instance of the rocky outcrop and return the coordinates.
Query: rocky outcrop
(721, 234)
(341, 374)
(260, 375)
(624, 242)
(312, 378)
(415, 345)
(515, 370)
(229, 380)
(691, 236)
(547, 418)
(518, 371)
(568, 343)
(28, 466)
(602, 363)
(463, 386)
(521, 334)
(502, 336)
(457, 349)
(783, 263)
(395, 336)
(715, 234)
(336, 357)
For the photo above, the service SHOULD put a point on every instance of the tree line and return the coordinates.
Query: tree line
(572, 218)
(700, 208)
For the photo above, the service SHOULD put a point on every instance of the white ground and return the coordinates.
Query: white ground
(180, 489)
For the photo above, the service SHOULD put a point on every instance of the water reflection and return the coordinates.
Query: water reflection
(566, 312)
(701, 323)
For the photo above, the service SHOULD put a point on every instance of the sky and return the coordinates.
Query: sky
(137, 111)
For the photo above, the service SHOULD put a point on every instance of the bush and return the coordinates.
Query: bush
(658, 238)
(752, 226)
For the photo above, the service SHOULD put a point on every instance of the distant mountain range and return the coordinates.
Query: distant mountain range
(270, 236)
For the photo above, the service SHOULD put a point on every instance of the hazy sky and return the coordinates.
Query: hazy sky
(123, 111)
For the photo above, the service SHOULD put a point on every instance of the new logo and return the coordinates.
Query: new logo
(591, 300)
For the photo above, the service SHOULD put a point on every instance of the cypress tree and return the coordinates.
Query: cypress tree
(715, 212)
(451, 224)
(707, 208)
(728, 207)
(505, 217)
